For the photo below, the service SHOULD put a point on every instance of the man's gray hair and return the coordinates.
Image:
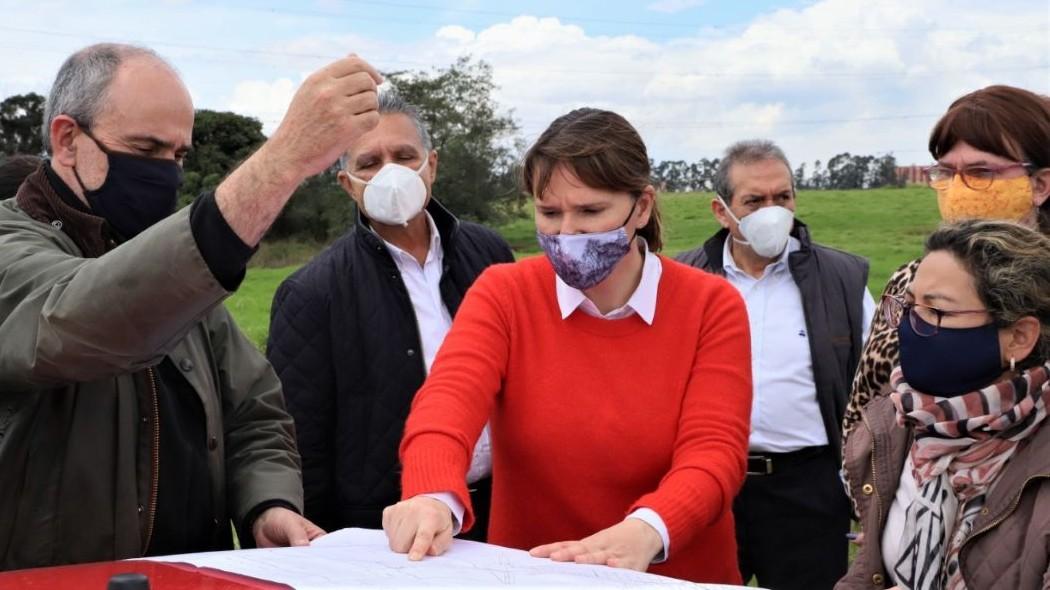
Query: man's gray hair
(746, 152)
(81, 86)
(390, 103)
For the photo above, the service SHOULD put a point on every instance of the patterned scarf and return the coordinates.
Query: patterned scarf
(961, 445)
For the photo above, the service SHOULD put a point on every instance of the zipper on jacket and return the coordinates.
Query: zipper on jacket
(154, 461)
(1013, 506)
(396, 276)
(874, 473)
(996, 522)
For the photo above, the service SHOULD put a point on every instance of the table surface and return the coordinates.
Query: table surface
(349, 558)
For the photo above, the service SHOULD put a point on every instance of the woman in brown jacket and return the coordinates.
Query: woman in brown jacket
(992, 152)
(951, 469)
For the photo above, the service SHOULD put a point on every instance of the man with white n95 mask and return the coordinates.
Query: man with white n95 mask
(354, 332)
(809, 311)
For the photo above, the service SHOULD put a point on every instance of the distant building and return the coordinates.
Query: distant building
(911, 174)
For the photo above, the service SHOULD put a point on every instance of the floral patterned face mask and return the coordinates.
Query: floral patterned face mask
(584, 260)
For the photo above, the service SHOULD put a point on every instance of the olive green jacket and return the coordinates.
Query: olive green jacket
(78, 429)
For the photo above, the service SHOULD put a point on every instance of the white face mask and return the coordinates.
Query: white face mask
(395, 195)
(766, 230)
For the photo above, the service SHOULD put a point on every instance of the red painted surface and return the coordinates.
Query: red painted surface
(162, 576)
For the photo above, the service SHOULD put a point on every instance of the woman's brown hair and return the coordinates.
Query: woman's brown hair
(603, 150)
(1009, 122)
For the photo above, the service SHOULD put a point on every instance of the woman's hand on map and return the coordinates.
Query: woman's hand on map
(630, 544)
(418, 526)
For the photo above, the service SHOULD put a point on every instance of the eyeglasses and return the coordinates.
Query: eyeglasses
(978, 178)
(925, 320)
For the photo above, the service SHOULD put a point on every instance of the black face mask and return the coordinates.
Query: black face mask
(138, 191)
(953, 361)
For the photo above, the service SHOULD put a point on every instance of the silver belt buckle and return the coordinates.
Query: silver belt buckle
(768, 465)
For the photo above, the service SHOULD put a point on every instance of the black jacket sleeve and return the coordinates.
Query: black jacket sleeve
(224, 253)
(300, 350)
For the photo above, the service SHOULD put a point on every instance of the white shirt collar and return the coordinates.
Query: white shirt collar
(433, 253)
(730, 267)
(642, 301)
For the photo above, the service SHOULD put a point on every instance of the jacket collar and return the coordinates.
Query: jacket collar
(446, 223)
(47, 199)
(714, 245)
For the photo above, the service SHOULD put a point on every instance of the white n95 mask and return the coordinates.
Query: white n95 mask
(766, 230)
(395, 195)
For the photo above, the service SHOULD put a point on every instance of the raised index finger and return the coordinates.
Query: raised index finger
(350, 65)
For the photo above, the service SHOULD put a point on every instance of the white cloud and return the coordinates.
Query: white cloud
(837, 75)
(831, 76)
(267, 101)
(834, 76)
(456, 34)
(673, 6)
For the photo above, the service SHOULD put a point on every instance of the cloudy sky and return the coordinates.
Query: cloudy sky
(818, 76)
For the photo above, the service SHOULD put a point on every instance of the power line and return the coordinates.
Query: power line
(677, 23)
(619, 72)
(803, 122)
(534, 124)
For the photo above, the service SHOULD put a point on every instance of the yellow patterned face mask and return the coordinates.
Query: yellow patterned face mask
(1006, 199)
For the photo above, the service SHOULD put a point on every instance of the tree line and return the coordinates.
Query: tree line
(478, 143)
(843, 171)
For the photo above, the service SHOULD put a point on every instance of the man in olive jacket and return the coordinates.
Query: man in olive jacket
(135, 418)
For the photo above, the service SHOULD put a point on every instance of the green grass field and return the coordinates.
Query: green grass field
(885, 225)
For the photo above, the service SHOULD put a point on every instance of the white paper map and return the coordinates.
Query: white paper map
(359, 558)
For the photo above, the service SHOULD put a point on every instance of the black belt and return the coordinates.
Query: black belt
(770, 463)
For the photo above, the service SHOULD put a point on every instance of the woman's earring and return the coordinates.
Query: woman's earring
(1013, 364)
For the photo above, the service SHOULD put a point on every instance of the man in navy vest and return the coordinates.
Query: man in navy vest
(810, 312)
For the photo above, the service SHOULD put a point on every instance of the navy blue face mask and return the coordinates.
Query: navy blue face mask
(953, 361)
(138, 191)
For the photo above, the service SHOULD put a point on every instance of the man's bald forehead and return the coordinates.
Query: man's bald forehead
(82, 84)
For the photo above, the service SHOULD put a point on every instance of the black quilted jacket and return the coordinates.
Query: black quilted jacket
(344, 341)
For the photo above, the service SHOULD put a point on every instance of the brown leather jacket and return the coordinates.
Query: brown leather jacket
(1011, 540)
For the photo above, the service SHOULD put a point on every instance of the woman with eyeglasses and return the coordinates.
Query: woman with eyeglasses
(992, 152)
(951, 470)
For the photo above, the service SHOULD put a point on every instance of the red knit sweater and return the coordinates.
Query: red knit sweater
(593, 418)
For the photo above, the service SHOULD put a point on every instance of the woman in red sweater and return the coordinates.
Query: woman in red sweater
(617, 382)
